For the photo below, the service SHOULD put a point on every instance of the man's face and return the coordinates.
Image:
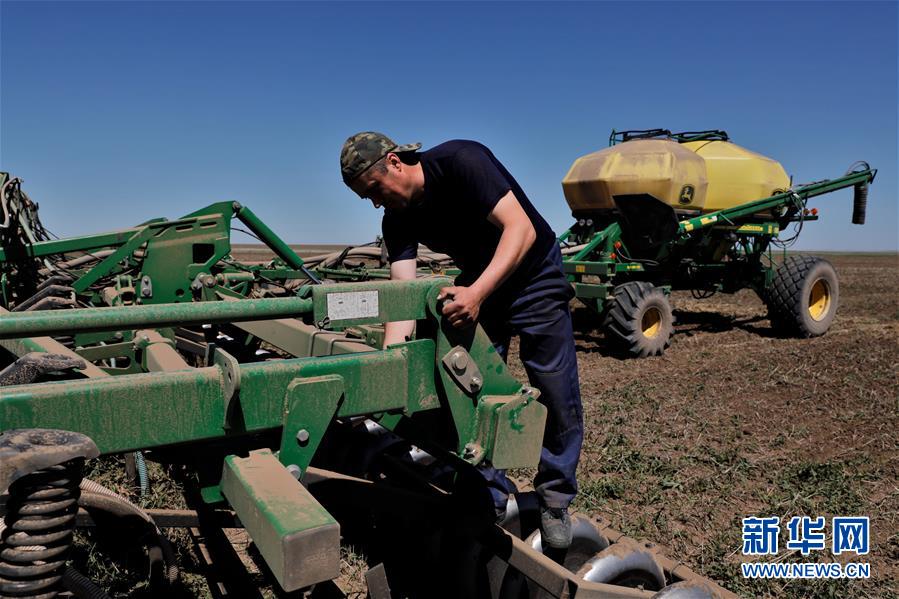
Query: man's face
(390, 189)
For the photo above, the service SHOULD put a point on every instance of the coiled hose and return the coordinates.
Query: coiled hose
(95, 495)
(859, 203)
(860, 195)
(142, 476)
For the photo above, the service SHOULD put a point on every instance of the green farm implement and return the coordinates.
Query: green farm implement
(659, 211)
(267, 397)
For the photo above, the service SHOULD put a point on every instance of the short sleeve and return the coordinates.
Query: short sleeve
(480, 180)
(400, 245)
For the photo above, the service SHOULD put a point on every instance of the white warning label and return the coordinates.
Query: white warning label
(353, 304)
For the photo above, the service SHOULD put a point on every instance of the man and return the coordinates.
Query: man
(458, 199)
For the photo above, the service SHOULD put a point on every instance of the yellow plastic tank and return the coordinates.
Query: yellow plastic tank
(699, 175)
(737, 175)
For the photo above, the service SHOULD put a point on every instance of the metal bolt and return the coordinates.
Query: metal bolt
(460, 362)
(302, 436)
(476, 383)
(295, 471)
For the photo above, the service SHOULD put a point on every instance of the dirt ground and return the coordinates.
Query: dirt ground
(734, 422)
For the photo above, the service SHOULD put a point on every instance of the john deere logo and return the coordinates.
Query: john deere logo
(686, 194)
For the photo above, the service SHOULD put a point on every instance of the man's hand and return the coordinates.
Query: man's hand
(462, 307)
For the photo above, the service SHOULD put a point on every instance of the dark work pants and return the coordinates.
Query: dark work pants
(539, 315)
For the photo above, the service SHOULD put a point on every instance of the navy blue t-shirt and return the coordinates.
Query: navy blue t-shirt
(463, 183)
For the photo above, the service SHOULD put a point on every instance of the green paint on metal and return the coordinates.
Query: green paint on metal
(508, 431)
(310, 405)
(607, 236)
(65, 322)
(373, 302)
(176, 254)
(267, 236)
(513, 414)
(297, 537)
(76, 244)
(212, 494)
(174, 407)
(586, 290)
(788, 198)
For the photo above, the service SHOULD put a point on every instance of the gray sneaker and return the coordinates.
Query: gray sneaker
(555, 527)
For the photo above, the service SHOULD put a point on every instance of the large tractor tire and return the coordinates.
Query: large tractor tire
(803, 297)
(638, 319)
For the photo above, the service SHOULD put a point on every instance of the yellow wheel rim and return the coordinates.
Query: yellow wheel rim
(819, 300)
(651, 323)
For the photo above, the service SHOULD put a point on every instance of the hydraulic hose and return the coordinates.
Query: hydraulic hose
(81, 586)
(333, 258)
(95, 495)
(142, 476)
(860, 195)
(6, 218)
(859, 203)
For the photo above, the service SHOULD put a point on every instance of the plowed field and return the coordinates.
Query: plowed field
(734, 422)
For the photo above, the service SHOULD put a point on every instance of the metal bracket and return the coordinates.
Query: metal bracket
(463, 370)
(310, 405)
(146, 286)
(376, 581)
(509, 430)
(230, 368)
(297, 537)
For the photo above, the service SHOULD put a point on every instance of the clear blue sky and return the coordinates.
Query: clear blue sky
(115, 113)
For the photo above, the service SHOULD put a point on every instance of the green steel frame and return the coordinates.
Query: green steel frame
(179, 324)
(445, 371)
(239, 372)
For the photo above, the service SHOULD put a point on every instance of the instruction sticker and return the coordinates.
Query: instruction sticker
(352, 305)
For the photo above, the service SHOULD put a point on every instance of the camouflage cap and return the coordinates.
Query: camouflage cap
(362, 150)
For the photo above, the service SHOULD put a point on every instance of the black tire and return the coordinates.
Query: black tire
(638, 319)
(802, 300)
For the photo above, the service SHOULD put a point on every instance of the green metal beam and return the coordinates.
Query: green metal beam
(190, 405)
(610, 234)
(174, 407)
(374, 301)
(268, 237)
(297, 537)
(727, 215)
(301, 339)
(87, 320)
(24, 345)
(75, 244)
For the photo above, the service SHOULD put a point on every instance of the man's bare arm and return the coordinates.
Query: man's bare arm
(518, 235)
(397, 332)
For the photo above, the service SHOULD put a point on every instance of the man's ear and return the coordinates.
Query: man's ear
(394, 161)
